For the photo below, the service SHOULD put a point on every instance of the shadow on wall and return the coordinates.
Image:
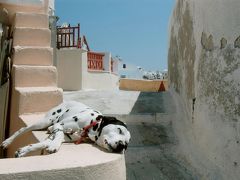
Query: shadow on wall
(153, 102)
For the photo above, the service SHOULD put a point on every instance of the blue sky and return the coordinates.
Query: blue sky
(136, 30)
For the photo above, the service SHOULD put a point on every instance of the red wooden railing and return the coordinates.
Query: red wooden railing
(68, 37)
(95, 61)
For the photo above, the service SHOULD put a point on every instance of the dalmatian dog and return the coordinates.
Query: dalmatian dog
(71, 122)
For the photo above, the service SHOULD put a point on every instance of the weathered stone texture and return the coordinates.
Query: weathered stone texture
(181, 55)
(237, 43)
(204, 69)
(217, 75)
(223, 43)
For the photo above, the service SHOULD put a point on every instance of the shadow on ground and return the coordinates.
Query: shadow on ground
(153, 102)
(152, 154)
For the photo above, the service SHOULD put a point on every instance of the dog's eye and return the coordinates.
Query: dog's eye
(120, 131)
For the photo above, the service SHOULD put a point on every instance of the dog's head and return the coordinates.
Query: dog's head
(113, 134)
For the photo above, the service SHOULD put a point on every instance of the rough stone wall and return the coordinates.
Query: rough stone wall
(204, 74)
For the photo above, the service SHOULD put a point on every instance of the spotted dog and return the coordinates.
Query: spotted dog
(72, 121)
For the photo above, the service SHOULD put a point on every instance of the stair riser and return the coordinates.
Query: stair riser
(31, 37)
(34, 76)
(37, 101)
(33, 56)
(31, 20)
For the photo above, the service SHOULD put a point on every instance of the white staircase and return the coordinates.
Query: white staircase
(34, 78)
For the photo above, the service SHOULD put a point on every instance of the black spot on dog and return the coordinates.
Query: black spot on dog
(67, 110)
(57, 121)
(99, 117)
(53, 113)
(96, 138)
(95, 127)
(92, 114)
(91, 122)
(96, 112)
(62, 124)
(75, 118)
(59, 110)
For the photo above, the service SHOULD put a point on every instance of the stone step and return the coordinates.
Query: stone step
(37, 99)
(31, 37)
(27, 55)
(31, 20)
(34, 76)
(27, 138)
(70, 159)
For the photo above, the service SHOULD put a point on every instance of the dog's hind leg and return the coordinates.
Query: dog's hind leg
(52, 143)
(50, 118)
(39, 125)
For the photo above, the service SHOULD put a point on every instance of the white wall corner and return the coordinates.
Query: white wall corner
(107, 61)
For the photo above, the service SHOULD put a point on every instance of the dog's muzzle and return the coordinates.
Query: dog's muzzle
(119, 148)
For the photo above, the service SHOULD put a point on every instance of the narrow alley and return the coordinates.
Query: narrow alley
(151, 153)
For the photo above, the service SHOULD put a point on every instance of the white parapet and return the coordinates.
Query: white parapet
(84, 161)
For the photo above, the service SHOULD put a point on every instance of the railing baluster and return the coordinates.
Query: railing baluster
(95, 61)
(70, 36)
(73, 37)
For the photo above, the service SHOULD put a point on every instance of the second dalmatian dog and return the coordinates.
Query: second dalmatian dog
(72, 121)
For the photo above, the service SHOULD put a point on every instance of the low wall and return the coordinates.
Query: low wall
(83, 161)
(143, 85)
(100, 80)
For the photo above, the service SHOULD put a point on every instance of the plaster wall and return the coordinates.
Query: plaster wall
(100, 80)
(204, 75)
(69, 65)
(73, 73)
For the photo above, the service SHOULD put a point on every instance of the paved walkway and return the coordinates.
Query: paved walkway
(151, 154)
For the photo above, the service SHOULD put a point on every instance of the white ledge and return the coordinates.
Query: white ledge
(84, 157)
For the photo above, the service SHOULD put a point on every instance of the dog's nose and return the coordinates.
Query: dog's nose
(120, 147)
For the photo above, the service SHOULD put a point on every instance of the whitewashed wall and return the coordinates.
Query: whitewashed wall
(73, 72)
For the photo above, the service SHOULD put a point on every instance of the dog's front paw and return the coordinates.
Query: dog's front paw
(53, 148)
(20, 153)
(6, 143)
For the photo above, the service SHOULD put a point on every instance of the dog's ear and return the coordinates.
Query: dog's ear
(106, 120)
(111, 120)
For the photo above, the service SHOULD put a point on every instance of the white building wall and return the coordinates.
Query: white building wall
(100, 80)
(74, 75)
(107, 61)
(69, 65)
